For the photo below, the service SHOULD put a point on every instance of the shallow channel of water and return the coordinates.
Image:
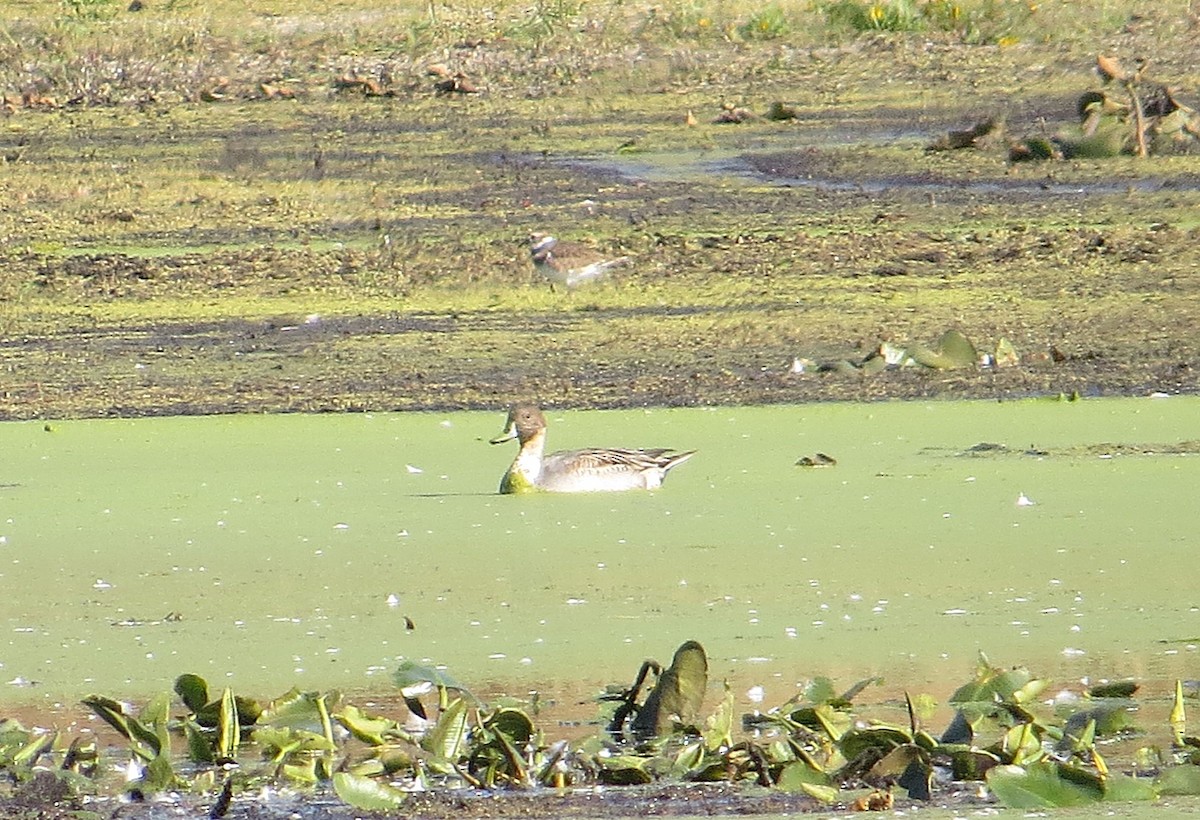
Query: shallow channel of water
(262, 551)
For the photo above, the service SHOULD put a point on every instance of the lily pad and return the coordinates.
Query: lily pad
(449, 736)
(365, 793)
(370, 730)
(992, 684)
(797, 775)
(409, 675)
(625, 770)
(1037, 787)
(678, 695)
(193, 691)
(1179, 780)
(953, 351)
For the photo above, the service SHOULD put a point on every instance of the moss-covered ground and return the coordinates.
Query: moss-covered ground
(175, 241)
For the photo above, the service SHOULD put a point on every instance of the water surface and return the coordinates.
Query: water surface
(263, 551)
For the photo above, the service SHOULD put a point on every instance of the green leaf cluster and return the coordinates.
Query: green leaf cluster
(1028, 756)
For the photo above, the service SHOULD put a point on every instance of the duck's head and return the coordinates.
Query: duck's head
(524, 422)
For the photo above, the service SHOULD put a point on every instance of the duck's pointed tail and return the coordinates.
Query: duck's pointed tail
(675, 459)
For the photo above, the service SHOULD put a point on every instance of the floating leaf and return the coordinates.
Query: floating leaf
(143, 741)
(917, 779)
(280, 741)
(200, 750)
(366, 794)
(826, 794)
(513, 723)
(625, 770)
(1108, 719)
(1023, 744)
(28, 754)
(957, 349)
(1179, 780)
(1114, 689)
(228, 730)
(1006, 354)
(678, 694)
(895, 762)
(689, 758)
(158, 775)
(718, 729)
(971, 764)
(1016, 685)
(301, 710)
(820, 690)
(369, 730)
(1122, 788)
(882, 738)
(798, 774)
(193, 691)
(1178, 717)
(415, 679)
(449, 735)
(1037, 787)
(953, 350)
(248, 712)
(823, 718)
(1108, 141)
(304, 773)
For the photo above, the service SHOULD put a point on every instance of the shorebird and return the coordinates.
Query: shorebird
(569, 263)
(577, 471)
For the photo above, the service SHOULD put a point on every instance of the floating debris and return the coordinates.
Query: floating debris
(983, 134)
(819, 460)
(732, 114)
(270, 91)
(985, 447)
(459, 83)
(217, 92)
(780, 112)
(953, 350)
(875, 801)
(367, 86)
(450, 82)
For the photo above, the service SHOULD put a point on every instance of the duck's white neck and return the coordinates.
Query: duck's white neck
(529, 460)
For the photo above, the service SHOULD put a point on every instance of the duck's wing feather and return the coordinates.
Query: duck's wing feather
(605, 460)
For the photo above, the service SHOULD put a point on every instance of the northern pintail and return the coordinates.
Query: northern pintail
(577, 471)
(569, 263)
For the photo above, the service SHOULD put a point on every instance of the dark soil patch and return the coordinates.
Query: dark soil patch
(627, 801)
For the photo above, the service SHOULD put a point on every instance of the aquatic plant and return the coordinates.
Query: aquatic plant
(816, 743)
(1141, 118)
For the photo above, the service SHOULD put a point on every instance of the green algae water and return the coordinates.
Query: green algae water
(267, 551)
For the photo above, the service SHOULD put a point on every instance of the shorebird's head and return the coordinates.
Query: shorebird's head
(540, 243)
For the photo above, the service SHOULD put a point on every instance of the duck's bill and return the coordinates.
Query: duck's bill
(507, 435)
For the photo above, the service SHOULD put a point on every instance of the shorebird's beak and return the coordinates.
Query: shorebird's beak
(507, 435)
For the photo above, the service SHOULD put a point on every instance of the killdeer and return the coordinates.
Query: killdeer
(569, 263)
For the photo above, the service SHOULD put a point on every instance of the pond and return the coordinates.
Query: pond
(266, 551)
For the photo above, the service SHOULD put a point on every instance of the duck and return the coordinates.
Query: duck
(569, 263)
(595, 469)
